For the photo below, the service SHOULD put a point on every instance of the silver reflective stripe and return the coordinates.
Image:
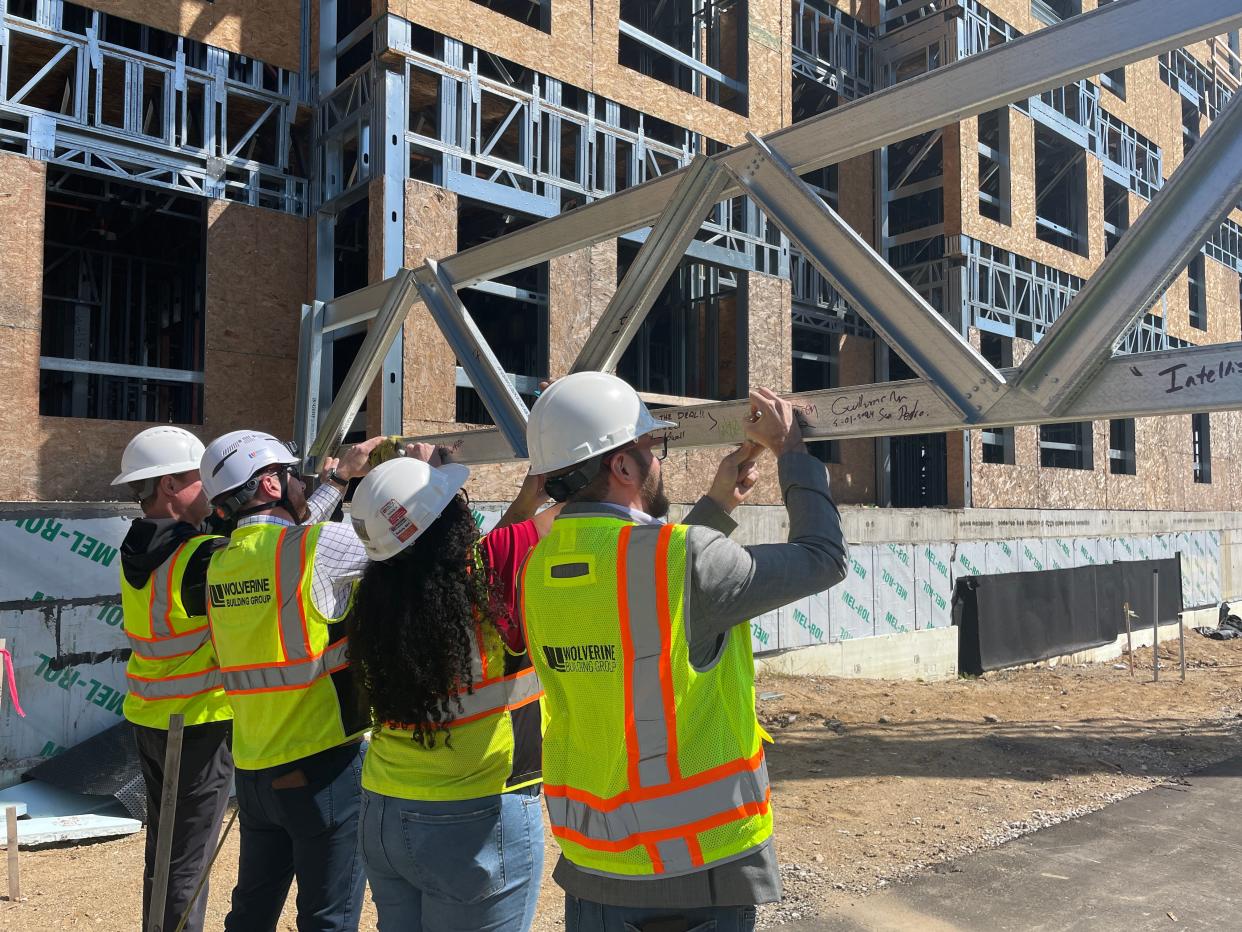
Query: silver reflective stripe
(667, 812)
(675, 853)
(160, 598)
(287, 676)
(168, 647)
(497, 696)
(289, 578)
(177, 688)
(648, 703)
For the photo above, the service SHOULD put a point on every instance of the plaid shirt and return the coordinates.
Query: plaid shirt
(339, 556)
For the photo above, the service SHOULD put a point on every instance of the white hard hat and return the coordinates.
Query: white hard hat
(583, 415)
(159, 451)
(398, 500)
(231, 460)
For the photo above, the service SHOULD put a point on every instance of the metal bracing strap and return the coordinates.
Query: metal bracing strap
(476, 357)
(698, 190)
(937, 352)
(1149, 255)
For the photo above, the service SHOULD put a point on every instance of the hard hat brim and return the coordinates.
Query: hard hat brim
(150, 472)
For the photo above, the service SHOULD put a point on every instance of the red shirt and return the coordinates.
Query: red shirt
(505, 548)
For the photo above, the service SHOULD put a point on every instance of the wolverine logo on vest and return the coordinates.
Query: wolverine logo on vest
(241, 592)
(582, 658)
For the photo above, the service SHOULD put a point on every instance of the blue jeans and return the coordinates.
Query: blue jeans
(300, 819)
(586, 916)
(468, 866)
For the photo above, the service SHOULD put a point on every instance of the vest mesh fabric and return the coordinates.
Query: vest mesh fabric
(678, 784)
(160, 630)
(277, 651)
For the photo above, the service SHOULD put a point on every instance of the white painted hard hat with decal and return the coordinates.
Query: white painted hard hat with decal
(398, 501)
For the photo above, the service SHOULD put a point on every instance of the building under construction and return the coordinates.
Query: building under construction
(178, 181)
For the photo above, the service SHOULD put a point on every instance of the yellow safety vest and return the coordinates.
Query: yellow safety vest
(495, 738)
(172, 667)
(651, 767)
(280, 657)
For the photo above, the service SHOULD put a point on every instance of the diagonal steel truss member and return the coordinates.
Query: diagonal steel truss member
(937, 352)
(659, 256)
(1192, 204)
(1118, 34)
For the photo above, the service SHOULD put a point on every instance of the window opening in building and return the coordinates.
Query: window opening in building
(997, 441)
(350, 254)
(1121, 458)
(534, 13)
(816, 366)
(698, 46)
(1197, 292)
(1201, 441)
(918, 463)
(511, 311)
(693, 342)
(994, 164)
(1190, 126)
(915, 171)
(1065, 446)
(123, 301)
(1060, 191)
(1052, 12)
(1116, 213)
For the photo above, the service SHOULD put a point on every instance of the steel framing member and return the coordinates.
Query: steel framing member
(1112, 36)
(151, 136)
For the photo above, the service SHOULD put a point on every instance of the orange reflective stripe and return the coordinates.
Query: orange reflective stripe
(627, 656)
(465, 720)
(168, 591)
(656, 792)
(478, 638)
(666, 638)
(681, 831)
(696, 852)
(657, 863)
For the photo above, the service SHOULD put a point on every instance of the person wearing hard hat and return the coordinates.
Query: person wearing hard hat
(655, 778)
(277, 598)
(172, 667)
(452, 834)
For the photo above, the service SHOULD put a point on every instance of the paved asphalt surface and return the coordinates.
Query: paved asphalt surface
(1166, 859)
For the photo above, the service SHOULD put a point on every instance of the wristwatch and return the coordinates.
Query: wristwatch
(337, 479)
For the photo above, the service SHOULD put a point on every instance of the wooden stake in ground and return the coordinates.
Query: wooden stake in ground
(168, 811)
(15, 878)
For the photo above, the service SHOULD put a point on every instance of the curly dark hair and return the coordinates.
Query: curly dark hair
(411, 629)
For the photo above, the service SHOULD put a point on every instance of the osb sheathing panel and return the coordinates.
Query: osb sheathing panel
(1163, 478)
(430, 367)
(580, 285)
(1019, 234)
(22, 185)
(954, 153)
(266, 29)
(256, 283)
(856, 195)
(867, 11)
(770, 332)
(582, 50)
(853, 478)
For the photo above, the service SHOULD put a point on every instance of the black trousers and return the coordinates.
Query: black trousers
(202, 794)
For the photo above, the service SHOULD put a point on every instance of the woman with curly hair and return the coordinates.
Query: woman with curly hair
(452, 836)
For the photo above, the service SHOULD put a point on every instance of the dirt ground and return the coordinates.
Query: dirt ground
(873, 781)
